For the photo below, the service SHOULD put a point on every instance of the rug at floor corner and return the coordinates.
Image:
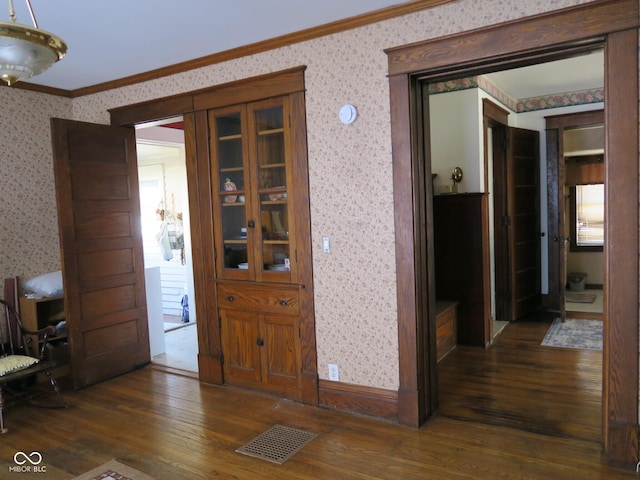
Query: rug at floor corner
(572, 297)
(574, 333)
(114, 470)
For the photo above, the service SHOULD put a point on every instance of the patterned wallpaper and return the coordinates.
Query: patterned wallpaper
(349, 166)
(28, 218)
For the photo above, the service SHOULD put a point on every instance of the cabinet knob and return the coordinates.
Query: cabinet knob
(283, 303)
(251, 224)
(231, 298)
(260, 342)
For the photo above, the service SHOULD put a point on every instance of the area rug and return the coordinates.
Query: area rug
(574, 333)
(114, 470)
(580, 297)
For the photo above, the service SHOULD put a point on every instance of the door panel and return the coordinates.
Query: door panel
(280, 354)
(98, 205)
(239, 333)
(524, 210)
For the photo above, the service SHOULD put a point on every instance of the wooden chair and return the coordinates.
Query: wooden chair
(20, 361)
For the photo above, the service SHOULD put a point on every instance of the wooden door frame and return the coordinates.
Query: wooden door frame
(193, 106)
(495, 116)
(545, 37)
(555, 126)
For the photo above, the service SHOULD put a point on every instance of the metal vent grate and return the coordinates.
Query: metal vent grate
(277, 444)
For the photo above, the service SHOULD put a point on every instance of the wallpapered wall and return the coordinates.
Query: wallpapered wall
(28, 218)
(349, 167)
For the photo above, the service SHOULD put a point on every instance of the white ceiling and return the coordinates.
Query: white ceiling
(113, 39)
(572, 74)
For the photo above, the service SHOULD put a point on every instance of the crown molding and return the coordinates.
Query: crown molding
(60, 92)
(251, 49)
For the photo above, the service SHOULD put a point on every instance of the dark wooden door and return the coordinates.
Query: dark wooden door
(98, 205)
(523, 200)
(501, 221)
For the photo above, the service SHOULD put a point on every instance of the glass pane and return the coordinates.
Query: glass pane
(231, 178)
(275, 235)
(590, 215)
(228, 129)
(234, 233)
(272, 188)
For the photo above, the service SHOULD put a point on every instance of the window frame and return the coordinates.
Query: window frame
(573, 235)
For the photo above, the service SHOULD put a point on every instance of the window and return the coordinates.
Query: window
(587, 217)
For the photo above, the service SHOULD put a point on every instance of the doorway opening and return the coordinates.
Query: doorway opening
(511, 272)
(596, 24)
(164, 212)
(583, 207)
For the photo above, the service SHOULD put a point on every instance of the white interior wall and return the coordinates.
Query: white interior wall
(455, 126)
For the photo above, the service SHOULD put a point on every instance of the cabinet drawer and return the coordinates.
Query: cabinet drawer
(259, 298)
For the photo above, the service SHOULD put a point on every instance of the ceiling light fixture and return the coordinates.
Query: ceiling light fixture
(26, 51)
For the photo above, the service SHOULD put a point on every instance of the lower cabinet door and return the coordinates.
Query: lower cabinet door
(240, 334)
(280, 354)
(262, 351)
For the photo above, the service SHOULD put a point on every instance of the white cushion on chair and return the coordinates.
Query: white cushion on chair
(13, 363)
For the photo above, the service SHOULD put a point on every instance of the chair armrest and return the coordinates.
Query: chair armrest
(42, 334)
(49, 331)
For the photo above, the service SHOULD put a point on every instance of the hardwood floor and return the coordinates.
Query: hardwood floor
(172, 427)
(520, 384)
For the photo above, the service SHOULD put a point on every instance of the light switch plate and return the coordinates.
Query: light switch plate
(326, 248)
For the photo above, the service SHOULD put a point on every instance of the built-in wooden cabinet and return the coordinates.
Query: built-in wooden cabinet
(251, 234)
(261, 239)
(260, 327)
(461, 263)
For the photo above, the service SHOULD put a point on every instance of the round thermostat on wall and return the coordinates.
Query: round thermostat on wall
(348, 114)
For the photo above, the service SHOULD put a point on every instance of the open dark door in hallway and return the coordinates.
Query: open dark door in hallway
(522, 223)
(98, 205)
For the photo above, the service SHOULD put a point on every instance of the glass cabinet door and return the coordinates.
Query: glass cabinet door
(230, 180)
(251, 182)
(269, 139)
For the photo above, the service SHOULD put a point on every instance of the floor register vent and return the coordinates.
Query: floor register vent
(277, 444)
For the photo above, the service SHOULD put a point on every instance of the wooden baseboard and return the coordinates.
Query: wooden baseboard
(374, 402)
(621, 446)
(210, 369)
(310, 388)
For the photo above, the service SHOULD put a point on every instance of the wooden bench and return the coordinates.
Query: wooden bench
(446, 327)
